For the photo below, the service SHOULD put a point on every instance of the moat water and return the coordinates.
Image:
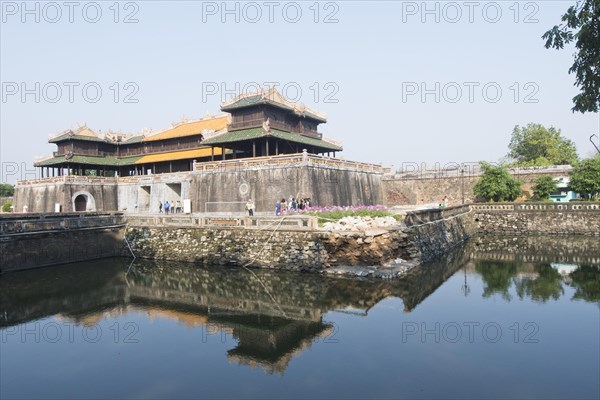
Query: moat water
(512, 320)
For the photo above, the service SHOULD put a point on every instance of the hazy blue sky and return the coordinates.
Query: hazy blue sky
(364, 64)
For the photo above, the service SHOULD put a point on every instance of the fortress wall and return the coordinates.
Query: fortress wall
(325, 186)
(426, 189)
(41, 197)
(213, 191)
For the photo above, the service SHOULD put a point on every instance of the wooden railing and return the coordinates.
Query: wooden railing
(257, 123)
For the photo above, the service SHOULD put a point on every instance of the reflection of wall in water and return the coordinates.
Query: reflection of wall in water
(545, 249)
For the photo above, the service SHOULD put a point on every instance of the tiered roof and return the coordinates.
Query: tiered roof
(255, 133)
(214, 130)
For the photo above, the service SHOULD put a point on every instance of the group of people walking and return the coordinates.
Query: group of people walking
(282, 206)
(170, 208)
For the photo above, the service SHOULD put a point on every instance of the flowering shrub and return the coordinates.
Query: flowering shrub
(335, 213)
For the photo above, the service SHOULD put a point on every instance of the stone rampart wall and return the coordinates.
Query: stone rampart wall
(409, 189)
(213, 191)
(573, 218)
(42, 197)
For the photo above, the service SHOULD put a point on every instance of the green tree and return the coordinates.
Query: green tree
(497, 184)
(497, 277)
(6, 190)
(536, 145)
(585, 177)
(543, 187)
(581, 23)
(6, 206)
(548, 284)
(586, 281)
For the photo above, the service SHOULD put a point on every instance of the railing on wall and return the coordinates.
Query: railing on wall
(525, 207)
(434, 214)
(296, 159)
(68, 179)
(166, 177)
(244, 222)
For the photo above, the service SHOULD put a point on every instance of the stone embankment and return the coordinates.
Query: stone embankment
(435, 231)
(537, 218)
(376, 244)
(379, 247)
(39, 240)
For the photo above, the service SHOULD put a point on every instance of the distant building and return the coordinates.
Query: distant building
(563, 193)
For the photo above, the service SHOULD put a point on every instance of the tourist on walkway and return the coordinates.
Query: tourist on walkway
(167, 207)
(278, 208)
(250, 208)
(160, 206)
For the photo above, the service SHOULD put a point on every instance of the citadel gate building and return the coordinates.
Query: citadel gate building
(262, 147)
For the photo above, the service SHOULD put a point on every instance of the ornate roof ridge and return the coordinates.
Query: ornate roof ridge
(271, 94)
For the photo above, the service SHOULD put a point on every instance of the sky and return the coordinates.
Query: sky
(401, 82)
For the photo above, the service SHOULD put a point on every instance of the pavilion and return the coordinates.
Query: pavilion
(256, 124)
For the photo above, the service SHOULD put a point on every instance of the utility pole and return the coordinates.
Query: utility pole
(462, 182)
(594, 144)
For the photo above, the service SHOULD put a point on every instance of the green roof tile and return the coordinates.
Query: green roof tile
(66, 136)
(259, 99)
(255, 133)
(88, 160)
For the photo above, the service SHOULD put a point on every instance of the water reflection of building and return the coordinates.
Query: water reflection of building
(273, 316)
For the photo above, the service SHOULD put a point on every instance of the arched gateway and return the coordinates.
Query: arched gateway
(83, 201)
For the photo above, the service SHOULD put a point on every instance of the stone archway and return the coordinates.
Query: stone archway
(83, 201)
(80, 203)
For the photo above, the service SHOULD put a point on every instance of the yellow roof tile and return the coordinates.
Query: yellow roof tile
(180, 155)
(85, 131)
(191, 128)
